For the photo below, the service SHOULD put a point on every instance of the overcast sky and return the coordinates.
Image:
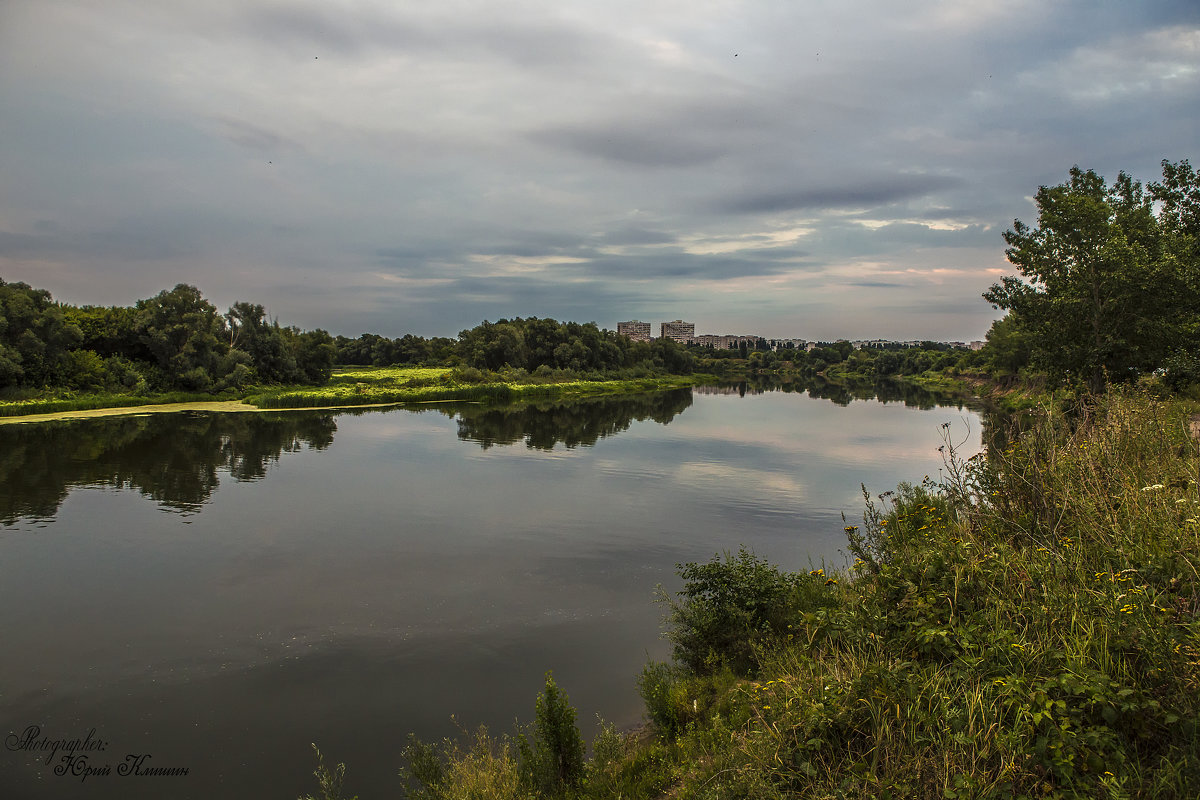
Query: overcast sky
(806, 168)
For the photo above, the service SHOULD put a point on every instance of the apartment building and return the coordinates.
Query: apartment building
(634, 329)
(678, 330)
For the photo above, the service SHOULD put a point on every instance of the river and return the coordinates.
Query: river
(213, 592)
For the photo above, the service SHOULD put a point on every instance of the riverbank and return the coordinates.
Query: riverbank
(1028, 628)
(360, 387)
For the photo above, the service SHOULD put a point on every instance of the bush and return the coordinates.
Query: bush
(728, 607)
(551, 754)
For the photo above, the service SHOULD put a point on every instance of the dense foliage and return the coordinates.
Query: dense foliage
(175, 340)
(1108, 282)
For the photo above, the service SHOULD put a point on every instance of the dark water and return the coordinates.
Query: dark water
(216, 591)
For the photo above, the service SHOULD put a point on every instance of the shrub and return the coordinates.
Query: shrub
(729, 606)
(551, 754)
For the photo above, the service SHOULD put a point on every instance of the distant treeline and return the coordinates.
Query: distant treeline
(178, 341)
(175, 340)
(533, 345)
(873, 363)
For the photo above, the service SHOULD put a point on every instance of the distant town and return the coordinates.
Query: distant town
(685, 333)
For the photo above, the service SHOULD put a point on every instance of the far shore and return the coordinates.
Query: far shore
(168, 408)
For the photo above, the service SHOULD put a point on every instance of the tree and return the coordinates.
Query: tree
(187, 338)
(266, 343)
(1007, 345)
(1095, 296)
(1178, 196)
(35, 336)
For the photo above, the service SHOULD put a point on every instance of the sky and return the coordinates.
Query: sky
(818, 169)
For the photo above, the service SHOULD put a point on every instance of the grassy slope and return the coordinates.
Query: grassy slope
(1029, 629)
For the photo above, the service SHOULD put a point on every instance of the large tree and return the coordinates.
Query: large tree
(1097, 295)
(187, 338)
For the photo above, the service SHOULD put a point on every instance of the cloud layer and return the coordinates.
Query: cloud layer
(785, 169)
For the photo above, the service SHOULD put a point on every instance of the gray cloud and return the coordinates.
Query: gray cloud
(254, 137)
(530, 39)
(858, 195)
(632, 147)
(635, 235)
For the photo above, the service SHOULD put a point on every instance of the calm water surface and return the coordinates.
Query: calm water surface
(217, 591)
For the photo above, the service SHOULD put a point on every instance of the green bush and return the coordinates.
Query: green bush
(551, 753)
(729, 606)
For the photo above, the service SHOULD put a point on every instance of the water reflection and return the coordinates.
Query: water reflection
(842, 395)
(173, 459)
(575, 423)
(176, 460)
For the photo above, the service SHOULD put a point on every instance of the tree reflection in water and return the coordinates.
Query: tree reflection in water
(579, 422)
(173, 459)
(177, 459)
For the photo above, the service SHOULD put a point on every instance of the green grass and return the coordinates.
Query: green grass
(1029, 629)
(386, 375)
(400, 385)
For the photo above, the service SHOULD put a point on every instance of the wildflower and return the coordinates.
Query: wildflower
(1018, 646)
(1152, 487)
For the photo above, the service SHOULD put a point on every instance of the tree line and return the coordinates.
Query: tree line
(532, 345)
(175, 340)
(179, 341)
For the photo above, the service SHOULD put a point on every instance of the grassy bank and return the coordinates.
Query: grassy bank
(1027, 629)
(369, 386)
(362, 386)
